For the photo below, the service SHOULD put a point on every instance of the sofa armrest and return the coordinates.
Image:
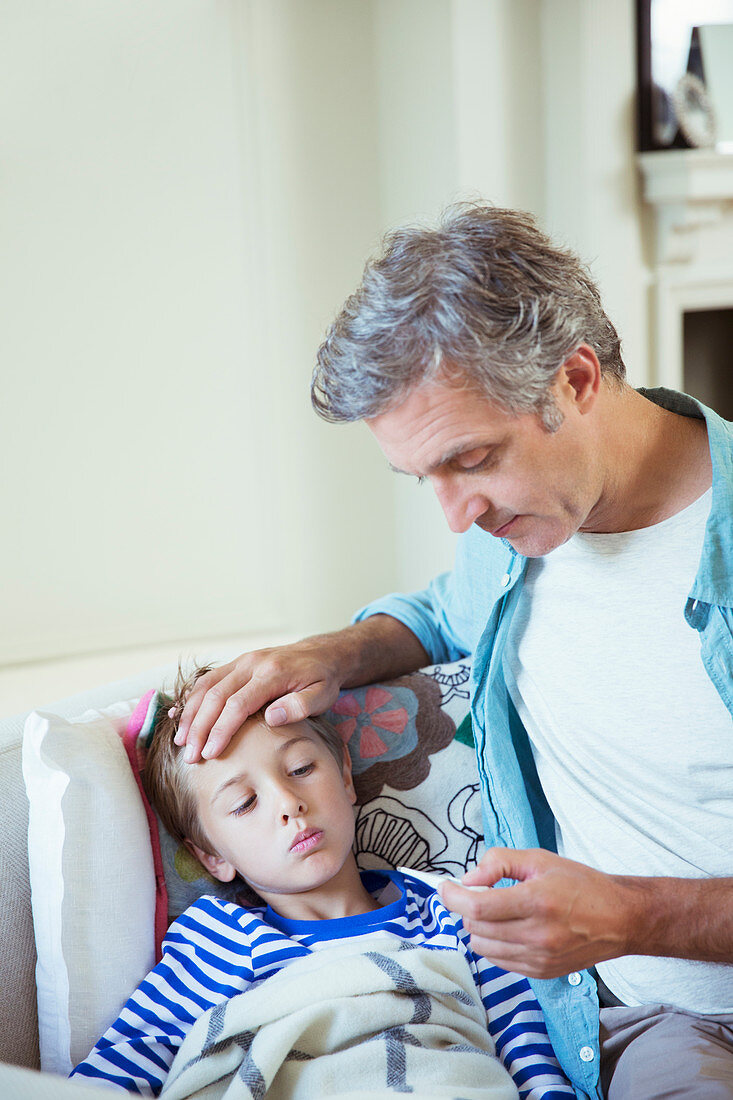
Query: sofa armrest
(26, 1084)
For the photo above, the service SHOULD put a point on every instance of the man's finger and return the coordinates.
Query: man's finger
(297, 705)
(223, 708)
(531, 959)
(252, 697)
(194, 700)
(510, 863)
(488, 870)
(506, 903)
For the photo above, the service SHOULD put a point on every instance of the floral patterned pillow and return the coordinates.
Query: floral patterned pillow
(415, 774)
(414, 769)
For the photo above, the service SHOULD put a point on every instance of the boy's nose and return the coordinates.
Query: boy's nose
(292, 806)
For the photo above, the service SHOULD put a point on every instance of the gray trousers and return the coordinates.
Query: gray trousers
(658, 1051)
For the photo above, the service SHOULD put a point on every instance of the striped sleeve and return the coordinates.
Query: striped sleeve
(517, 1026)
(514, 1017)
(206, 959)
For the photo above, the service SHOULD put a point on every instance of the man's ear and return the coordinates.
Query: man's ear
(347, 775)
(215, 865)
(580, 378)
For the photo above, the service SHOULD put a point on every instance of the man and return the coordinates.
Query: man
(593, 585)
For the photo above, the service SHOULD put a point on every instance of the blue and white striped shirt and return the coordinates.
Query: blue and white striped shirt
(217, 949)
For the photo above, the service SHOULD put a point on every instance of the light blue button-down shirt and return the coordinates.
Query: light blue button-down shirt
(469, 611)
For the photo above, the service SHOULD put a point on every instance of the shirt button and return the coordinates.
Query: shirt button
(587, 1054)
(574, 978)
(505, 580)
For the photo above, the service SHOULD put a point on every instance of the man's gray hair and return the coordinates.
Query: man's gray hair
(484, 300)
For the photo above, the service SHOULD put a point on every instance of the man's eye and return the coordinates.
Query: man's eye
(305, 769)
(475, 460)
(245, 806)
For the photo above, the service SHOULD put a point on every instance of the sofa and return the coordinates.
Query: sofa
(432, 708)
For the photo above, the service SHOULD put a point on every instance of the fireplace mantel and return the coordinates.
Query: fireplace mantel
(691, 192)
(679, 175)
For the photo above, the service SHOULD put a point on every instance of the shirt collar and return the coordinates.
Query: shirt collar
(714, 581)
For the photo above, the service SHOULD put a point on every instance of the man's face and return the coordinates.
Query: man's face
(277, 808)
(505, 473)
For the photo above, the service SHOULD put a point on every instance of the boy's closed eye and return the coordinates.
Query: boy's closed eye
(304, 769)
(297, 773)
(244, 806)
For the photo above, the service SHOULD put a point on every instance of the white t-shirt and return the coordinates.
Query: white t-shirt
(633, 745)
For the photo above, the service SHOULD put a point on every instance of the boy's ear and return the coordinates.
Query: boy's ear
(347, 776)
(215, 865)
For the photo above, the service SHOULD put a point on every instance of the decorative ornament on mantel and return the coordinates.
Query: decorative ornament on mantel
(695, 115)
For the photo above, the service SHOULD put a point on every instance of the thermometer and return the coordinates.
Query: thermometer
(434, 880)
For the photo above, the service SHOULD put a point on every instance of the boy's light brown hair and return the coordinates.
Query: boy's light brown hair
(167, 778)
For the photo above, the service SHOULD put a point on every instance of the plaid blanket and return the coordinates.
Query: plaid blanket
(347, 1022)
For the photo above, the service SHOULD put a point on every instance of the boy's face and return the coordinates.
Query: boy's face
(277, 808)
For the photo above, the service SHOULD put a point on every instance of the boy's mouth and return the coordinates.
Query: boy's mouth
(306, 839)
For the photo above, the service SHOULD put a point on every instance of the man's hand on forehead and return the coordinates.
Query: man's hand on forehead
(296, 681)
(293, 681)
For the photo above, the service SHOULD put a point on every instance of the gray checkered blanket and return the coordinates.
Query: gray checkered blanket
(351, 1022)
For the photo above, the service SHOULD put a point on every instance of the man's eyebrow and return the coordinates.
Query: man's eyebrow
(448, 456)
(241, 776)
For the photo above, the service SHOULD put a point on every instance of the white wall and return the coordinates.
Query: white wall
(127, 260)
(317, 154)
(592, 185)
(190, 191)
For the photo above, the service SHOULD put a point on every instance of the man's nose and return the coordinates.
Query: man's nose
(460, 508)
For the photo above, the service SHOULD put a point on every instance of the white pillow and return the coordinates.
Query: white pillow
(91, 874)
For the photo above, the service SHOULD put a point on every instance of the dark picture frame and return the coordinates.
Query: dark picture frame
(660, 23)
(644, 75)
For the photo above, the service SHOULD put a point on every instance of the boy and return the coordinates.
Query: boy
(273, 816)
